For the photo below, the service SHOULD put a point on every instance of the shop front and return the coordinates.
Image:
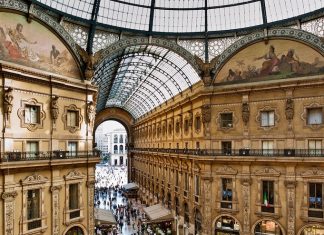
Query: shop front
(227, 225)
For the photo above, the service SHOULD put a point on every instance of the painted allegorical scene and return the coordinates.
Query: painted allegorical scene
(278, 59)
(33, 45)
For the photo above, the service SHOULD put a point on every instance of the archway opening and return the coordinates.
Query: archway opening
(268, 227)
(75, 231)
(227, 225)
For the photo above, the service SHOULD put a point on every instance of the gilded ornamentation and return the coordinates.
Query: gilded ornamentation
(245, 113)
(34, 179)
(7, 103)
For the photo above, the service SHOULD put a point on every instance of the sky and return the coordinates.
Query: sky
(110, 125)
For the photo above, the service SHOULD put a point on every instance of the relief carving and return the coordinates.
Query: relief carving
(289, 110)
(226, 170)
(34, 179)
(91, 112)
(267, 171)
(246, 204)
(206, 113)
(56, 210)
(74, 175)
(245, 113)
(291, 206)
(313, 172)
(55, 108)
(7, 103)
(206, 69)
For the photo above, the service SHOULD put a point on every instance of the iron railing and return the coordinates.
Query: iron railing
(239, 152)
(54, 155)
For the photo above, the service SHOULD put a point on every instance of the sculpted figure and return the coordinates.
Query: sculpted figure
(289, 109)
(245, 113)
(55, 108)
(7, 102)
(91, 111)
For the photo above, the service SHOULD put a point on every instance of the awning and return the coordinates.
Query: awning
(158, 214)
(130, 186)
(104, 216)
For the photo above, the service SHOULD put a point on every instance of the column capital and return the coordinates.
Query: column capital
(9, 195)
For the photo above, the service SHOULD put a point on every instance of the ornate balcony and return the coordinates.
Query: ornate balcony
(55, 155)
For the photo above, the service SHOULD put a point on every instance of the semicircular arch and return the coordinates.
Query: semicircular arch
(317, 225)
(84, 230)
(302, 36)
(228, 215)
(122, 44)
(276, 222)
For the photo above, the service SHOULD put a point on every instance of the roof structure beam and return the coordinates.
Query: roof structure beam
(151, 16)
(92, 28)
(264, 12)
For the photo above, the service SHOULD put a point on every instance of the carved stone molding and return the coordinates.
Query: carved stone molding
(291, 213)
(41, 115)
(245, 113)
(7, 196)
(246, 181)
(246, 205)
(314, 172)
(304, 116)
(91, 183)
(265, 109)
(290, 183)
(34, 179)
(226, 170)
(55, 108)
(206, 113)
(267, 171)
(74, 175)
(79, 117)
(7, 104)
(56, 188)
(9, 210)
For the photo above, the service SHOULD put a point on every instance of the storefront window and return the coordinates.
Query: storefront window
(313, 229)
(267, 227)
(227, 225)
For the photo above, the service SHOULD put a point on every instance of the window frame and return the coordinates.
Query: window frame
(69, 109)
(315, 210)
(267, 114)
(224, 122)
(31, 126)
(320, 110)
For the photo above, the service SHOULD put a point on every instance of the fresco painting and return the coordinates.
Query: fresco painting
(33, 45)
(278, 59)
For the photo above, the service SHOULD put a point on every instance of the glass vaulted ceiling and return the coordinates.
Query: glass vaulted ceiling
(185, 16)
(141, 78)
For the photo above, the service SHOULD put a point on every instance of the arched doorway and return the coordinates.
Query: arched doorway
(75, 231)
(267, 227)
(311, 229)
(226, 225)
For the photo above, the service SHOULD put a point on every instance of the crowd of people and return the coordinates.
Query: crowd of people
(109, 194)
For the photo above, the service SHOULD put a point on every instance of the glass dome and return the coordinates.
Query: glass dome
(185, 16)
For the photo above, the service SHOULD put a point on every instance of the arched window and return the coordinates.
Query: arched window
(121, 149)
(115, 138)
(227, 224)
(121, 139)
(115, 148)
(75, 231)
(198, 219)
(267, 227)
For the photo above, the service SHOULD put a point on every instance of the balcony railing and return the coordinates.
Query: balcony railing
(239, 152)
(31, 156)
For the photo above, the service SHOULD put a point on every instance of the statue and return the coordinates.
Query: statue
(245, 113)
(90, 61)
(289, 111)
(206, 69)
(206, 113)
(7, 103)
(91, 112)
(55, 108)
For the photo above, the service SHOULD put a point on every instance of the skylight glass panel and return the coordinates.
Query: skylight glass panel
(180, 4)
(80, 8)
(124, 15)
(177, 21)
(219, 3)
(138, 2)
(280, 10)
(235, 17)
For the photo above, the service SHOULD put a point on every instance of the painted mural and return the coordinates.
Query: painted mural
(278, 59)
(33, 45)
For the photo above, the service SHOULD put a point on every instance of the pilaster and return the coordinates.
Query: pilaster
(9, 211)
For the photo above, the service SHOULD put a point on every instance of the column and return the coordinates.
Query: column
(9, 211)
(291, 207)
(56, 209)
(207, 208)
(90, 186)
(246, 190)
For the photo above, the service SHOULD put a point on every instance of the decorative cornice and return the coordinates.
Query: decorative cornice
(91, 183)
(9, 195)
(314, 172)
(226, 170)
(56, 188)
(34, 179)
(74, 175)
(267, 171)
